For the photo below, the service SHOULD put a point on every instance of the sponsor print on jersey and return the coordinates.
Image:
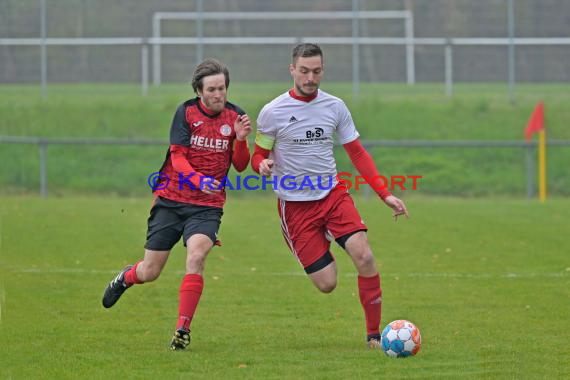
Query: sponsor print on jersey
(209, 143)
(315, 136)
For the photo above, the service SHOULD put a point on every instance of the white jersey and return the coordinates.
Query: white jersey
(300, 135)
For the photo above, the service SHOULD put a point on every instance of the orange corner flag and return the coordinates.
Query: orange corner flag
(536, 122)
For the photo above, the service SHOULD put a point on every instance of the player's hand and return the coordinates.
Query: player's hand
(242, 126)
(265, 167)
(397, 205)
(214, 184)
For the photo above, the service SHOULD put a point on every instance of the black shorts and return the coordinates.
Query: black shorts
(169, 220)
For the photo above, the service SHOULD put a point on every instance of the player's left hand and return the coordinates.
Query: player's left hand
(211, 187)
(398, 206)
(242, 126)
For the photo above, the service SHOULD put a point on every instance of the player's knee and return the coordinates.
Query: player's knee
(196, 260)
(326, 286)
(364, 258)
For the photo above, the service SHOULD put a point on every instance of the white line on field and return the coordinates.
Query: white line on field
(2, 300)
(447, 275)
(62, 270)
(509, 275)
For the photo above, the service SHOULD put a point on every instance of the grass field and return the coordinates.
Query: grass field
(486, 281)
(383, 111)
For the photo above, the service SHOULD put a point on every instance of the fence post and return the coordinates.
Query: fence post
(410, 62)
(200, 32)
(367, 191)
(355, 50)
(43, 48)
(511, 26)
(144, 68)
(156, 51)
(43, 168)
(448, 69)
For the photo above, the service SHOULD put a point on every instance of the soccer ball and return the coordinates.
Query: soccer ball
(400, 339)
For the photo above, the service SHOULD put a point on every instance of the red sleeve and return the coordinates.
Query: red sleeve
(181, 165)
(259, 154)
(363, 162)
(240, 157)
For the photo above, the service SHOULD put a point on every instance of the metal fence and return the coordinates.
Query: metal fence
(410, 43)
(438, 40)
(44, 143)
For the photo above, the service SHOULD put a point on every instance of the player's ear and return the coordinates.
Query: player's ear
(291, 68)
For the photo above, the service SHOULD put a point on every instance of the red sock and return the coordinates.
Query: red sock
(371, 300)
(131, 276)
(190, 292)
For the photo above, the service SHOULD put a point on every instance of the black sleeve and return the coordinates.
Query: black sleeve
(234, 107)
(180, 130)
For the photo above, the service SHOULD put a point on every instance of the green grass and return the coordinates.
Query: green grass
(486, 281)
(385, 111)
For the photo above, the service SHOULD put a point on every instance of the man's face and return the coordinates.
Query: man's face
(307, 73)
(214, 92)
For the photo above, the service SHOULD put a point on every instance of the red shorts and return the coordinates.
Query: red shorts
(309, 226)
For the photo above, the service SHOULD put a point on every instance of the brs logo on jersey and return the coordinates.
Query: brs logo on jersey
(318, 132)
(313, 137)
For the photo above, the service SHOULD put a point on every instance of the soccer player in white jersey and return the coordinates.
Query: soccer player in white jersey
(295, 139)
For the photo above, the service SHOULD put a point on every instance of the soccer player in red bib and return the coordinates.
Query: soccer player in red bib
(295, 140)
(208, 134)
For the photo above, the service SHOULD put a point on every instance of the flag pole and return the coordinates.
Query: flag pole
(542, 164)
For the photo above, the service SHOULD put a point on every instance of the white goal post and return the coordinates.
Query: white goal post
(355, 16)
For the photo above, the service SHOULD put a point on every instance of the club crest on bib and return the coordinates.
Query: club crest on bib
(226, 130)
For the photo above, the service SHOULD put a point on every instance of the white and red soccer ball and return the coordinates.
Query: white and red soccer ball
(400, 339)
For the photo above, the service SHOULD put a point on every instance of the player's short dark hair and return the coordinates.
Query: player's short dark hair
(306, 50)
(209, 66)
